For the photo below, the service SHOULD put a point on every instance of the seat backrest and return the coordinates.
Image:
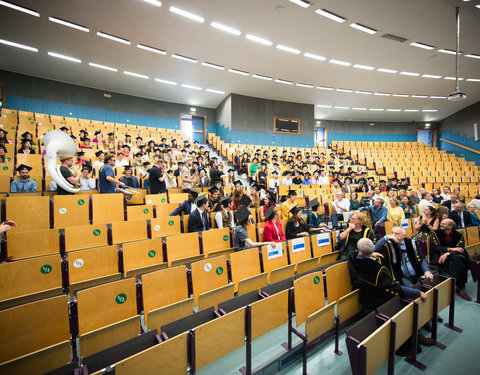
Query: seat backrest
(142, 255)
(309, 295)
(215, 240)
(299, 249)
(125, 231)
(22, 209)
(321, 244)
(208, 274)
(40, 242)
(269, 313)
(182, 246)
(165, 209)
(274, 258)
(107, 208)
(70, 210)
(377, 345)
(156, 199)
(85, 236)
(244, 264)
(338, 281)
(177, 197)
(140, 212)
(165, 226)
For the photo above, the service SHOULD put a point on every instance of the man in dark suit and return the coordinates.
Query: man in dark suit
(450, 204)
(198, 220)
(215, 173)
(188, 205)
(460, 216)
(204, 180)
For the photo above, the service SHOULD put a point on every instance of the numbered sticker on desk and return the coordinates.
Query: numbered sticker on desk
(323, 239)
(298, 244)
(77, 263)
(62, 210)
(156, 228)
(274, 252)
(207, 267)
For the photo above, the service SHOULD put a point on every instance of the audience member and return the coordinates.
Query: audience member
(473, 215)
(224, 217)
(395, 212)
(341, 205)
(296, 226)
(198, 220)
(460, 216)
(287, 206)
(347, 240)
(273, 231)
(24, 184)
(314, 221)
(188, 206)
(407, 207)
(241, 241)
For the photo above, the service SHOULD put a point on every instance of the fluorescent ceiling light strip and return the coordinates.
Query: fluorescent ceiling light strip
(216, 91)
(363, 92)
(421, 45)
(113, 37)
(473, 80)
(69, 24)
(326, 88)
(383, 70)
(359, 109)
(324, 106)
(184, 58)
(64, 57)
(339, 62)
(104, 67)
(313, 56)
(225, 28)
(376, 109)
(431, 76)
(259, 76)
(186, 14)
(477, 6)
(302, 3)
(420, 96)
(344, 90)
(18, 45)
(135, 74)
(154, 2)
(166, 82)
(363, 28)
(429, 110)
(330, 15)
(240, 72)
(364, 67)
(401, 95)
(305, 85)
(339, 107)
(411, 74)
(382, 94)
(284, 81)
(257, 39)
(151, 49)
(437, 97)
(191, 87)
(447, 51)
(411, 110)
(288, 49)
(453, 78)
(19, 8)
(214, 66)
(473, 56)
(394, 110)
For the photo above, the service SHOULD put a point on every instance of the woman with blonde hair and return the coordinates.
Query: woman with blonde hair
(395, 212)
(347, 244)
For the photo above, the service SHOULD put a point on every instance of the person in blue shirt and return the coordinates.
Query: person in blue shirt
(306, 180)
(188, 206)
(377, 211)
(24, 184)
(107, 184)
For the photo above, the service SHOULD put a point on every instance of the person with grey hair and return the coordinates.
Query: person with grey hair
(376, 283)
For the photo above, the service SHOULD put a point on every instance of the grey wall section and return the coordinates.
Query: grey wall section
(224, 112)
(256, 114)
(462, 121)
(39, 88)
(379, 127)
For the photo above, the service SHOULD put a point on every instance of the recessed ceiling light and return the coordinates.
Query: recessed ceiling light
(307, 85)
(225, 28)
(193, 109)
(420, 96)
(288, 49)
(135, 74)
(473, 80)
(186, 14)
(431, 76)
(240, 72)
(383, 70)
(477, 6)
(394, 110)
(324, 106)
(284, 81)
(447, 51)
(339, 62)
(19, 8)
(344, 90)
(376, 109)
(426, 125)
(257, 39)
(359, 109)
(151, 49)
(184, 58)
(453, 78)
(410, 74)
(18, 45)
(473, 56)
(259, 76)
(214, 66)
(382, 94)
(69, 24)
(154, 2)
(191, 87)
(326, 88)
(104, 67)
(437, 97)
(113, 37)
(421, 45)
(411, 110)
(429, 110)
(313, 56)
(363, 28)
(302, 3)
(363, 92)
(339, 107)
(364, 67)
(332, 16)
(401, 95)
(64, 57)
(166, 82)
(216, 91)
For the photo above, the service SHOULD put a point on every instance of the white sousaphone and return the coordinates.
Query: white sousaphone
(58, 143)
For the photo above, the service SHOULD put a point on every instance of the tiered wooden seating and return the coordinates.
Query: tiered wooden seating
(142, 256)
(210, 274)
(22, 210)
(183, 248)
(70, 210)
(217, 242)
(107, 208)
(32, 243)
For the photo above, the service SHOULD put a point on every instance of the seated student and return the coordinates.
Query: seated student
(268, 201)
(138, 160)
(306, 180)
(314, 222)
(87, 183)
(287, 180)
(26, 147)
(395, 212)
(296, 226)
(378, 212)
(3, 151)
(224, 217)
(274, 182)
(407, 207)
(100, 159)
(473, 215)
(450, 203)
(198, 220)
(354, 202)
(297, 180)
(287, 206)
(85, 143)
(214, 201)
(121, 161)
(273, 231)
(128, 179)
(341, 205)
(254, 195)
(188, 205)
(241, 241)
(219, 185)
(24, 184)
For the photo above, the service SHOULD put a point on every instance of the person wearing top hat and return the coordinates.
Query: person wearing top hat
(214, 201)
(100, 159)
(273, 231)
(24, 184)
(241, 241)
(128, 179)
(224, 217)
(87, 183)
(26, 147)
(66, 172)
(296, 226)
(198, 220)
(314, 221)
(287, 206)
(268, 201)
(188, 206)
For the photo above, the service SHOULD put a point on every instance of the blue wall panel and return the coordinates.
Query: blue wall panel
(83, 112)
(15, 102)
(68, 110)
(370, 137)
(459, 151)
(33, 105)
(52, 108)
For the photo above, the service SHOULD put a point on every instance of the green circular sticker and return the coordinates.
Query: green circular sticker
(45, 269)
(162, 200)
(96, 232)
(316, 280)
(145, 211)
(170, 222)
(5, 168)
(152, 253)
(81, 202)
(13, 127)
(8, 159)
(225, 238)
(31, 122)
(121, 298)
(283, 251)
(219, 270)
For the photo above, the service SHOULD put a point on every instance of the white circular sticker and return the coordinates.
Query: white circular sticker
(208, 267)
(156, 228)
(62, 210)
(77, 263)
(261, 230)
(149, 201)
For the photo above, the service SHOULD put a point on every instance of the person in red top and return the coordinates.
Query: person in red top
(268, 201)
(273, 231)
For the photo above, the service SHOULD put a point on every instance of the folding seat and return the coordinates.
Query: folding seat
(126, 231)
(70, 210)
(108, 208)
(22, 209)
(183, 248)
(142, 256)
(32, 243)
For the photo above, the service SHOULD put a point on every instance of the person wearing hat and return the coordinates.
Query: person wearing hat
(85, 143)
(86, 182)
(268, 201)
(262, 174)
(287, 180)
(126, 151)
(66, 172)
(314, 221)
(64, 129)
(98, 139)
(157, 177)
(286, 207)
(230, 179)
(241, 241)
(393, 184)
(198, 220)
(107, 184)
(128, 179)
(219, 185)
(100, 159)
(110, 142)
(128, 140)
(214, 201)
(273, 231)
(274, 181)
(204, 181)
(3, 137)
(297, 180)
(188, 205)
(80, 158)
(224, 217)
(28, 135)
(138, 160)
(254, 195)
(237, 194)
(296, 226)
(347, 187)
(306, 179)
(26, 147)
(138, 144)
(24, 184)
